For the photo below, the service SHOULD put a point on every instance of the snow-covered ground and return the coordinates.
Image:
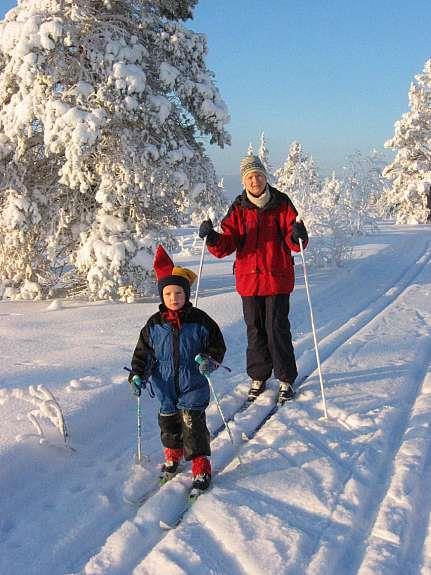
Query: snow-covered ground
(297, 494)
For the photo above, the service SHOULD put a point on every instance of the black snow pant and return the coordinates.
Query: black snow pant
(269, 341)
(185, 429)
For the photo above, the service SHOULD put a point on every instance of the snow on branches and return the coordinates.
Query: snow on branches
(101, 107)
(46, 407)
(336, 209)
(409, 199)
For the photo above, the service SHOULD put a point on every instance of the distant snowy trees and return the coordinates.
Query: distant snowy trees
(363, 187)
(101, 106)
(299, 179)
(263, 154)
(409, 199)
(319, 204)
(335, 209)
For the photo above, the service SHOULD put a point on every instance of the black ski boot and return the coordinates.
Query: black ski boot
(256, 388)
(168, 471)
(200, 484)
(286, 392)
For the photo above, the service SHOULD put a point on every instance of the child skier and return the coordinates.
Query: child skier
(166, 351)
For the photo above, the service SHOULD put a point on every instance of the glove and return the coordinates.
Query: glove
(206, 366)
(205, 228)
(299, 232)
(135, 383)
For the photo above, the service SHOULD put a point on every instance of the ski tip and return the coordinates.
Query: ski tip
(166, 526)
(134, 502)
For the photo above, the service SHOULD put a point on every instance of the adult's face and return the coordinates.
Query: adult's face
(255, 183)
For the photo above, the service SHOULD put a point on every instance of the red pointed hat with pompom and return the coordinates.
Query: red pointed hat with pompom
(169, 274)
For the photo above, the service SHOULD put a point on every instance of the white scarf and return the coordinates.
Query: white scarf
(262, 200)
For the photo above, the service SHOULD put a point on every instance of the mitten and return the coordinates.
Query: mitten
(206, 365)
(135, 383)
(206, 230)
(299, 232)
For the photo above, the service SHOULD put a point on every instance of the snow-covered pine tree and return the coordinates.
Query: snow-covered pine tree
(321, 207)
(329, 226)
(299, 179)
(410, 172)
(363, 185)
(378, 185)
(264, 157)
(101, 104)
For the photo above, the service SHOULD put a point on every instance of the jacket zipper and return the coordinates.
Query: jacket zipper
(176, 358)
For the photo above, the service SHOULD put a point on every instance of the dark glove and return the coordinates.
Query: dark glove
(206, 364)
(205, 228)
(135, 383)
(299, 232)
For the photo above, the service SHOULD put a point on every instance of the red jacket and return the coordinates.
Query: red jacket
(262, 240)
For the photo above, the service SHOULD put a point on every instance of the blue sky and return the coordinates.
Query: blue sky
(333, 74)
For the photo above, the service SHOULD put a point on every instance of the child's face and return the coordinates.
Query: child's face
(174, 297)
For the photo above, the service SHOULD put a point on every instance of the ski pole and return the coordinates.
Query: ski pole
(138, 456)
(218, 364)
(199, 359)
(204, 243)
(316, 347)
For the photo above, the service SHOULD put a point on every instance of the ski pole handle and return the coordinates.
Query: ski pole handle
(201, 357)
(136, 378)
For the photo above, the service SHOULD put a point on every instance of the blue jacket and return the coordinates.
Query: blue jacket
(167, 354)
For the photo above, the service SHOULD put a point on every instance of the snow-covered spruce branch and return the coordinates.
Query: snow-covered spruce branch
(47, 407)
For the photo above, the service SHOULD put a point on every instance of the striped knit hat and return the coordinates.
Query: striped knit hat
(251, 164)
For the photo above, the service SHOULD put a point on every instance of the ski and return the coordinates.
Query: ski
(196, 493)
(244, 405)
(220, 428)
(138, 501)
(192, 498)
(163, 479)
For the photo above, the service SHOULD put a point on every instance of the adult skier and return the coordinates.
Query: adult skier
(261, 227)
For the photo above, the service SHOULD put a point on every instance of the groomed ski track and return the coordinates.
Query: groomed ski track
(371, 546)
(332, 518)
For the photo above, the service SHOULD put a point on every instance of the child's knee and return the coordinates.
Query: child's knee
(171, 429)
(196, 437)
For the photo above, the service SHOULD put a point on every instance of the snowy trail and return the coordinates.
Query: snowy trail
(400, 526)
(353, 484)
(342, 479)
(388, 521)
(357, 486)
(108, 562)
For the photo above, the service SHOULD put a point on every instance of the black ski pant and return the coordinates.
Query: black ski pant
(269, 341)
(185, 429)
